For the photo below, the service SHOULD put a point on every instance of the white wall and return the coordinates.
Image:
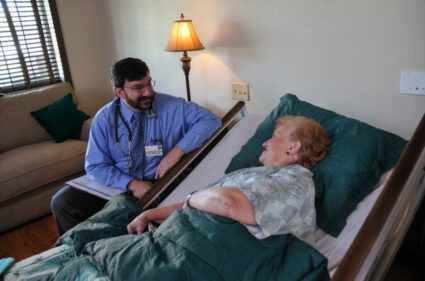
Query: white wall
(345, 56)
(87, 56)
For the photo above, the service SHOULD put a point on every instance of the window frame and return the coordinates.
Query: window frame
(63, 60)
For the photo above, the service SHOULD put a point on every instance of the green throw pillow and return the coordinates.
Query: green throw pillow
(61, 119)
(358, 156)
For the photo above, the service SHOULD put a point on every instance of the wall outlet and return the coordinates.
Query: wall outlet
(240, 91)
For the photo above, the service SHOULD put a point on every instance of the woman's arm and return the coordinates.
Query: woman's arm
(224, 201)
(157, 215)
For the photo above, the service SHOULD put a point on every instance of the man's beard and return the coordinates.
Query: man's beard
(142, 103)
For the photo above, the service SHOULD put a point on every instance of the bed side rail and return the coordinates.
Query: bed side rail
(378, 240)
(178, 172)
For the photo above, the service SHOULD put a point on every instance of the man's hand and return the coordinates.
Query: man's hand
(169, 161)
(139, 188)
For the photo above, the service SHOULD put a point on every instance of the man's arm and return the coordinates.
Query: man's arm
(200, 124)
(169, 161)
(197, 123)
(99, 163)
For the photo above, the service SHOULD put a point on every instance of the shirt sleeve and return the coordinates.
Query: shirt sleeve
(99, 164)
(201, 123)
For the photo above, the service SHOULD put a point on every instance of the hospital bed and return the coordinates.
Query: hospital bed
(366, 246)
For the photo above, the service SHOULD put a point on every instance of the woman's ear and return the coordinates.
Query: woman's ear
(294, 147)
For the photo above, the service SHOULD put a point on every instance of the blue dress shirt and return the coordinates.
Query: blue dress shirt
(173, 122)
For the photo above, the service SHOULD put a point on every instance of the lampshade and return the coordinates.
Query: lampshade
(183, 37)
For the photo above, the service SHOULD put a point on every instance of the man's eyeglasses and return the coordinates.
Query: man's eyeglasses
(142, 88)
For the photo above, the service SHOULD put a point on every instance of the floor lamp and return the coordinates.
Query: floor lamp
(183, 38)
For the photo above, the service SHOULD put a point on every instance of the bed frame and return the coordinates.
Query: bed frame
(375, 246)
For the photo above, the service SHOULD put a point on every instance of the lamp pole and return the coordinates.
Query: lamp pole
(184, 38)
(186, 68)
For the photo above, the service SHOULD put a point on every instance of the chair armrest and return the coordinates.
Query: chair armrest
(85, 129)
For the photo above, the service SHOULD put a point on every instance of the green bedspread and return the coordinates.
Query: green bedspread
(190, 245)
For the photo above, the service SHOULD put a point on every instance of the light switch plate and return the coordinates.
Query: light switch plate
(412, 82)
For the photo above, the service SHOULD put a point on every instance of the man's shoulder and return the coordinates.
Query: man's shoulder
(108, 106)
(167, 98)
(166, 104)
(106, 110)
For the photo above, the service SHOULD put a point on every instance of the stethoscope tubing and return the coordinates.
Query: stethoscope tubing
(118, 113)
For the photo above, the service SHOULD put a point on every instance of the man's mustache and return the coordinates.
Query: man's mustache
(142, 99)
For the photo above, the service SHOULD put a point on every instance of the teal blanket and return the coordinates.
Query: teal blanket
(190, 245)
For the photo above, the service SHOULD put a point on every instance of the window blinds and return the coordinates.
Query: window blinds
(29, 55)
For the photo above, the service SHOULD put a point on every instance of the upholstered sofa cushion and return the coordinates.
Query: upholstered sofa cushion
(28, 167)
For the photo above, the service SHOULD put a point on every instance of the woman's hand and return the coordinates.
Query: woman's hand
(138, 225)
(156, 215)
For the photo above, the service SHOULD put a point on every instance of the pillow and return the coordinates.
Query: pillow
(358, 155)
(61, 119)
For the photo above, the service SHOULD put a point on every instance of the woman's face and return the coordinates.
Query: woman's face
(276, 148)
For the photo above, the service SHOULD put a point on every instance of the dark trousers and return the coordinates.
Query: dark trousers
(71, 206)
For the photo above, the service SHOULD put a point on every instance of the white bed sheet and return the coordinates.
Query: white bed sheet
(212, 168)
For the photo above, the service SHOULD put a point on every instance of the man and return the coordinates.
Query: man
(134, 140)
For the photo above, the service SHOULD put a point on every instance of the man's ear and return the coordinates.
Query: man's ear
(294, 147)
(119, 92)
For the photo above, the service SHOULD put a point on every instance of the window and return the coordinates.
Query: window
(30, 55)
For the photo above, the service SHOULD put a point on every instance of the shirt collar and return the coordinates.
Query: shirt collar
(127, 113)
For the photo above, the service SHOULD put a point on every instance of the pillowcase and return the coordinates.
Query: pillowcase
(61, 119)
(358, 156)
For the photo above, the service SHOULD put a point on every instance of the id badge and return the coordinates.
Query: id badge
(153, 150)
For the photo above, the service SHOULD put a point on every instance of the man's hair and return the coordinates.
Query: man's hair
(129, 69)
(311, 135)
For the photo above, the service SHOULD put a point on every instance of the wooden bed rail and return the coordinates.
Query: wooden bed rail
(361, 262)
(177, 173)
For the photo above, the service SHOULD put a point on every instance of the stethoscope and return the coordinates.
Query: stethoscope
(118, 114)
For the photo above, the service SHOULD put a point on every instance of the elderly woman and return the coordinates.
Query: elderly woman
(277, 198)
